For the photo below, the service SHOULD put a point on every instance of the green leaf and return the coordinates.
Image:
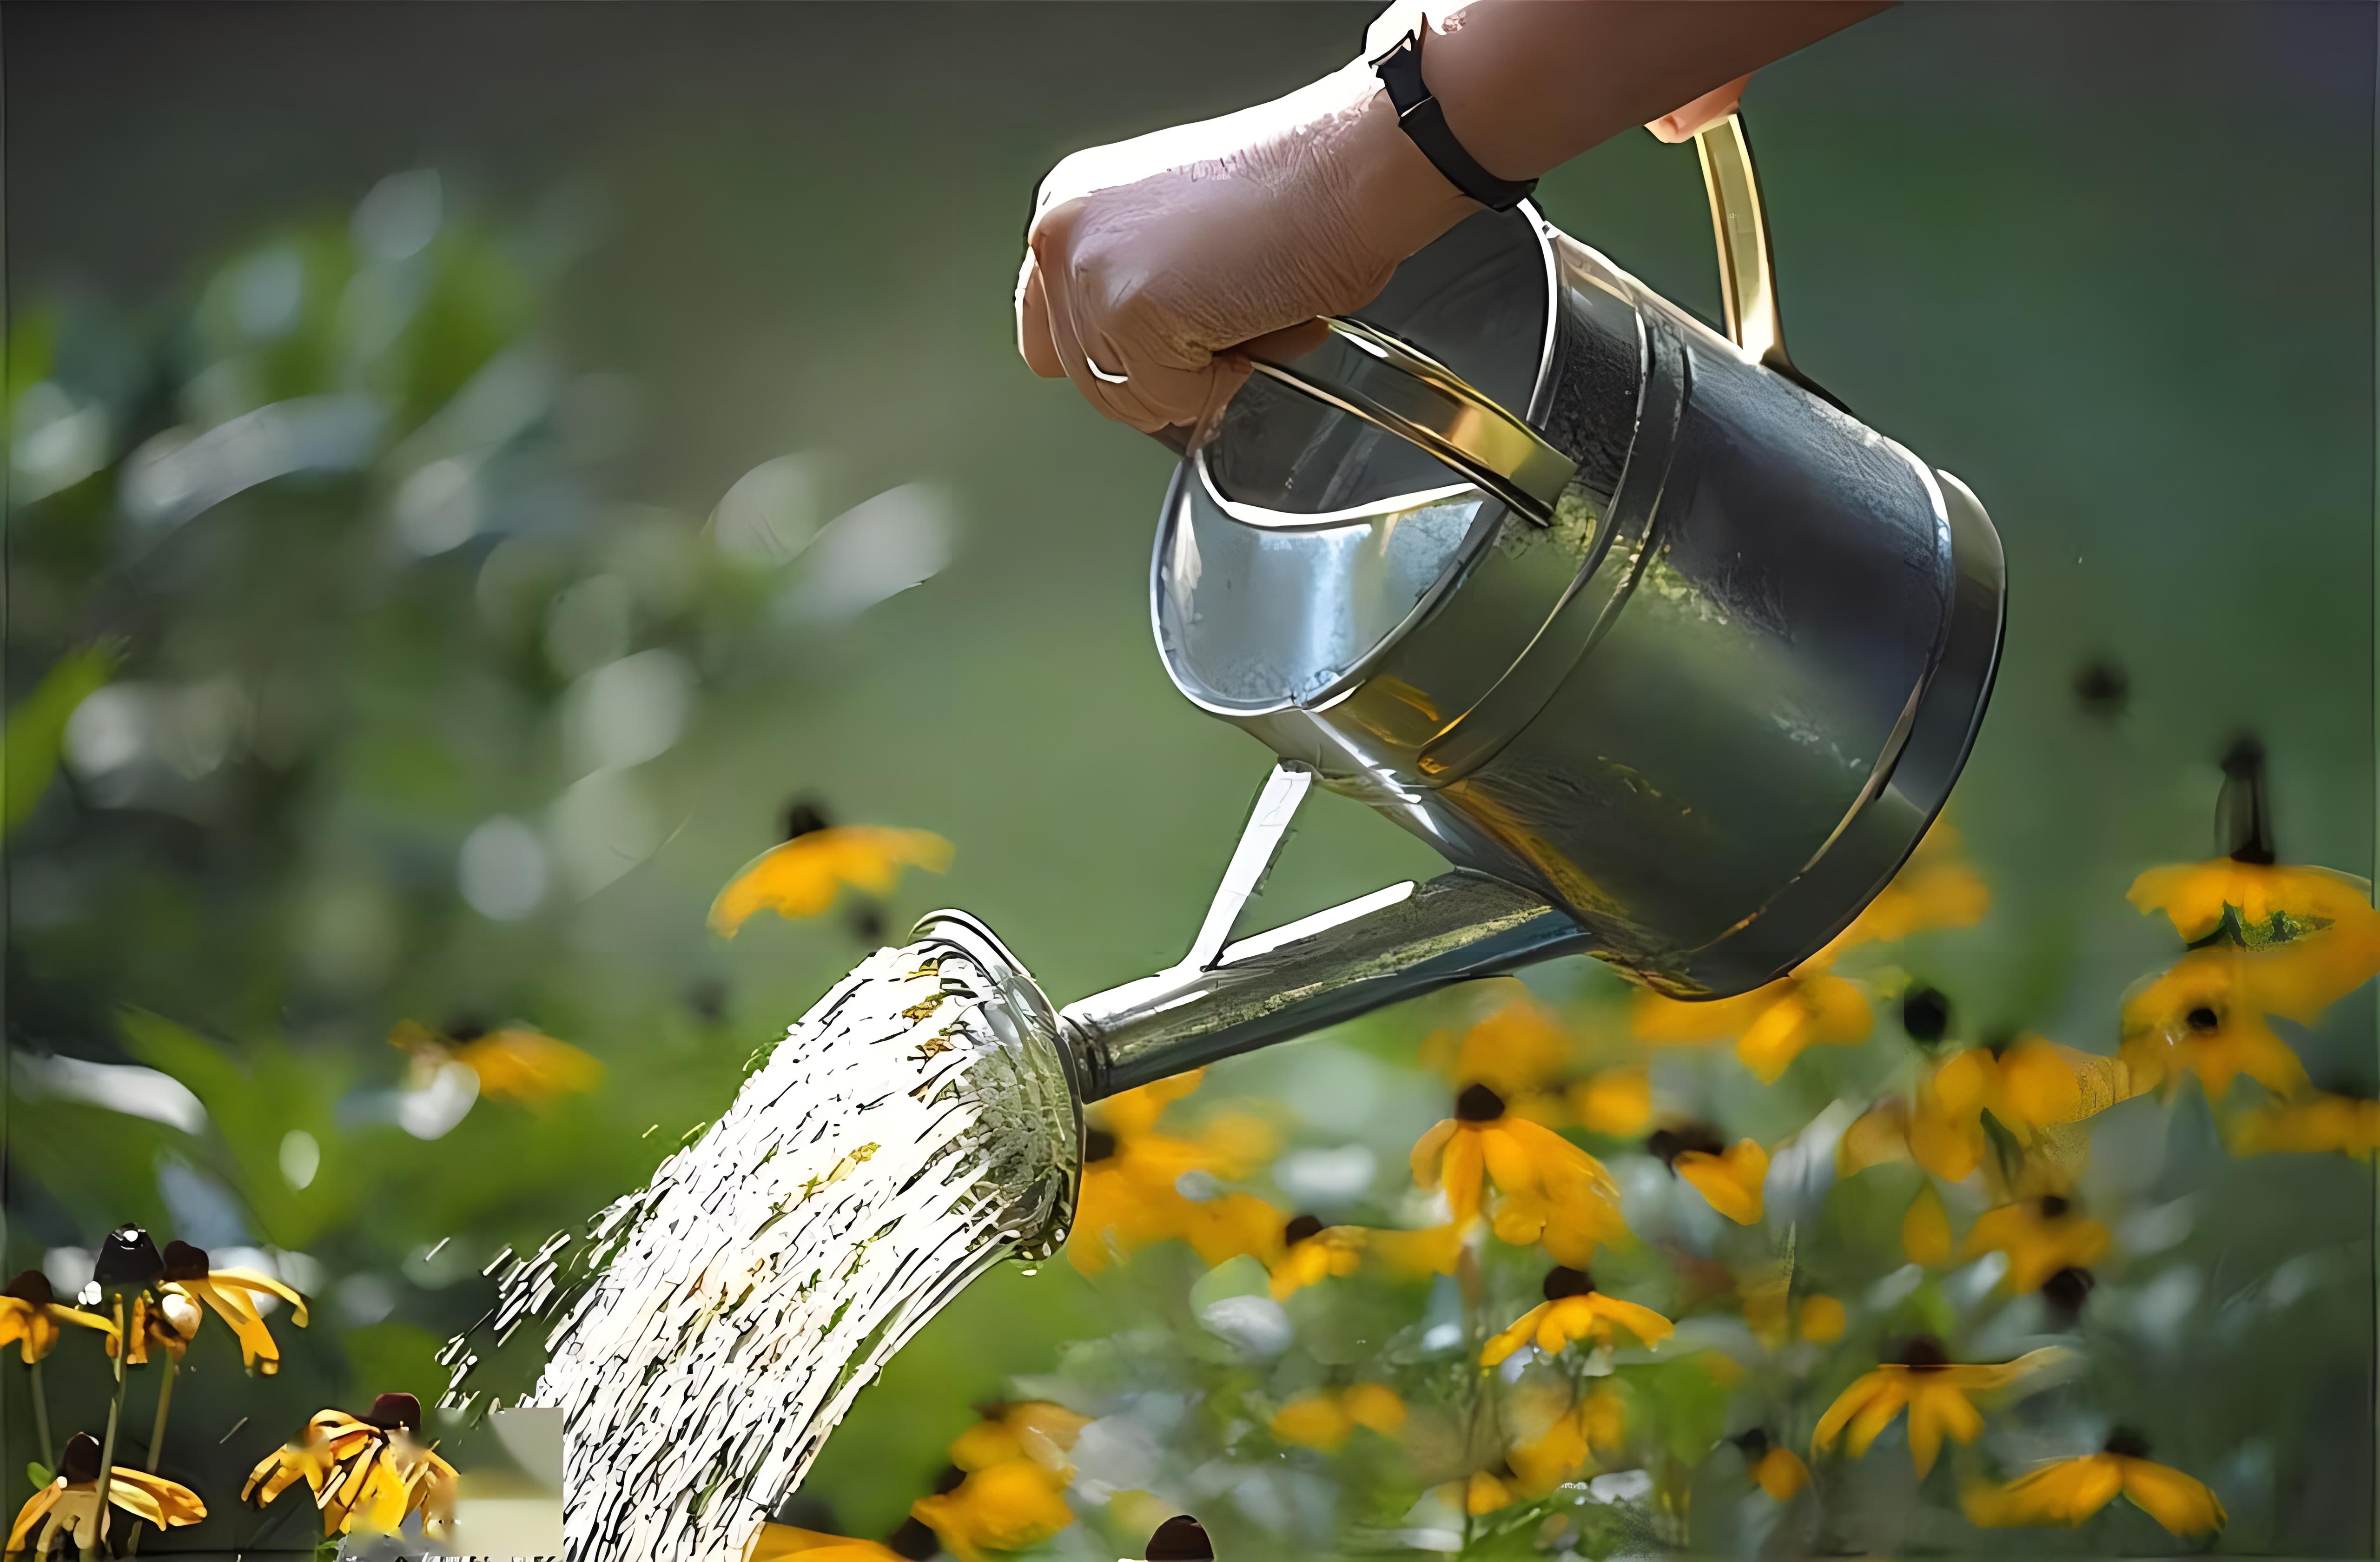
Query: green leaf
(38, 1474)
(36, 729)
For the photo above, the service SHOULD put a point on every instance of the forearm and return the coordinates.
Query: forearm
(1529, 84)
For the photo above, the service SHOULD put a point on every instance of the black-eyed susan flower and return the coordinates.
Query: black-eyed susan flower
(1617, 1101)
(368, 1474)
(2072, 1490)
(514, 1061)
(1731, 1180)
(2316, 1124)
(1555, 1453)
(1773, 1467)
(1131, 1195)
(1547, 1189)
(1573, 1309)
(1822, 1319)
(1771, 1025)
(2200, 1017)
(1925, 1230)
(67, 1508)
(1488, 1491)
(800, 877)
(32, 1317)
(2030, 1086)
(1179, 1539)
(1323, 1418)
(1312, 1253)
(1936, 888)
(1035, 1431)
(1519, 1051)
(2040, 1236)
(1001, 1507)
(1936, 1392)
(775, 1541)
(165, 1311)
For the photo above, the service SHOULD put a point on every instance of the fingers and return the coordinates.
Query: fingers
(1289, 342)
(1680, 125)
(1032, 340)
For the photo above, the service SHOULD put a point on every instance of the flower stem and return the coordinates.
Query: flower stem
(157, 1435)
(107, 1444)
(41, 1418)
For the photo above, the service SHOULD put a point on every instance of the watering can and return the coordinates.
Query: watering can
(1670, 657)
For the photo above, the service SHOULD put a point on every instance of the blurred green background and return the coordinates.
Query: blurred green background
(2111, 265)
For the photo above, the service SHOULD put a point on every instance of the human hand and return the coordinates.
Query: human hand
(1154, 266)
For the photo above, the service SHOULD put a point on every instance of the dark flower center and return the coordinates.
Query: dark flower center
(1478, 1104)
(2054, 1207)
(2203, 1019)
(2243, 814)
(1179, 1539)
(1926, 1014)
(466, 1027)
(395, 1411)
(1098, 1144)
(913, 1541)
(1669, 1144)
(32, 1286)
(80, 1463)
(2102, 688)
(2123, 1440)
(1301, 1227)
(804, 817)
(1562, 1281)
(184, 1262)
(2068, 1290)
(128, 1258)
(1753, 1442)
(1925, 1353)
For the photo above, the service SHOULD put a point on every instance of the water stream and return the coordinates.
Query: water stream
(710, 1329)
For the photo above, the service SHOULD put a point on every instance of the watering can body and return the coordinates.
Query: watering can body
(1597, 600)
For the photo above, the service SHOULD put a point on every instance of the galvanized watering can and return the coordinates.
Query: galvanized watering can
(1671, 656)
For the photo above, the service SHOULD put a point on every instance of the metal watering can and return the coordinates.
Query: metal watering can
(1669, 655)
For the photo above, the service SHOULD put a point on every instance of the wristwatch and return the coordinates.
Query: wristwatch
(1423, 119)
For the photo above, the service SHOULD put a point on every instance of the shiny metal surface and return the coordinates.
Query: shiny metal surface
(1398, 944)
(1707, 710)
(1404, 391)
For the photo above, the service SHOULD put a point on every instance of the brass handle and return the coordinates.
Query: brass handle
(1748, 276)
(1411, 395)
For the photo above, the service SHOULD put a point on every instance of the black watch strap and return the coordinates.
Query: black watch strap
(1422, 120)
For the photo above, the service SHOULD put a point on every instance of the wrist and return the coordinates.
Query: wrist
(1395, 199)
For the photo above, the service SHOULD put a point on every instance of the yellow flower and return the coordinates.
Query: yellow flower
(1002, 1508)
(1131, 1194)
(1312, 1253)
(166, 1310)
(2040, 1236)
(1934, 888)
(1615, 1101)
(2347, 1125)
(1603, 1418)
(30, 1314)
(1547, 1188)
(1773, 1467)
(1034, 1431)
(1518, 1050)
(1731, 1180)
(1324, 1418)
(1822, 1320)
(1772, 1025)
(1435, 1250)
(2270, 906)
(67, 1508)
(2073, 1489)
(1934, 1390)
(799, 877)
(1573, 1309)
(2203, 1016)
(2030, 1086)
(525, 1064)
(1488, 1490)
(368, 1473)
(1925, 1230)
(1553, 1456)
(774, 1540)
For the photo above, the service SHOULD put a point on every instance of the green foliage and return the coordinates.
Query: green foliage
(36, 728)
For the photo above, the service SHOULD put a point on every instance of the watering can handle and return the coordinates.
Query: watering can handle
(1399, 389)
